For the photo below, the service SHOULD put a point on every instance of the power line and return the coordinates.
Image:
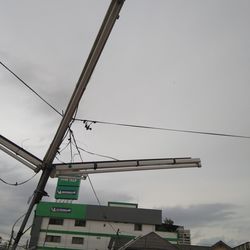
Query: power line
(60, 150)
(91, 184)
(12, 230)
(28, 228)
(122, 124)
(161, 128)
(77, 148)
(70, 143)
(27, 85)
(101, 155)
(18, 184)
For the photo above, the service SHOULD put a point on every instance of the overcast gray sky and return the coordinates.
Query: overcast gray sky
(168, 63)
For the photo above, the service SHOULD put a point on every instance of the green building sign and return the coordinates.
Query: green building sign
(61, 210)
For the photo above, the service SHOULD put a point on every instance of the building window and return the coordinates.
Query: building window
(80, 223)
(138, 227)
(53, 238)
(77, 240)
(55, 221)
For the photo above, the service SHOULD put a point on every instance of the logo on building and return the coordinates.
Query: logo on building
(60, 210)
(66, 192)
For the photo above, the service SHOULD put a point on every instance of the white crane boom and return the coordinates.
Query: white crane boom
(82, 169)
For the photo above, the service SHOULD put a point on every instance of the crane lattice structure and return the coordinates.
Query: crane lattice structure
(82, 168)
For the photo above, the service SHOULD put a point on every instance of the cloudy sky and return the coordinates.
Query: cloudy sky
(173, 64)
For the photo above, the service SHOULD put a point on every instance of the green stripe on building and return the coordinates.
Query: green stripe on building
(171, 239)
(86, 233)
(95, 234)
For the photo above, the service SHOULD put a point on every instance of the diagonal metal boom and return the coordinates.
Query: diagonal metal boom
(20, 154)
(107, 25)
(104, 32)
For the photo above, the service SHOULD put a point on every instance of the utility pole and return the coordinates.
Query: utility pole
(47, 167)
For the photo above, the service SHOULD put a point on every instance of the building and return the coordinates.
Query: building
(149, 241)
(244, 246)
(79, 226)
(184, 236)
(153, 241)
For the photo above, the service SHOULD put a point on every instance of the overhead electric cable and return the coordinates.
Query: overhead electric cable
(87, 151)
(12, 230)
(18, 184)
(27, 85)
(28, 228)
(92, 153)
(92, 186)
(61, 150)
(59, 160)
(162, 128)
(124, 124)
(70, 145)
(77, 148)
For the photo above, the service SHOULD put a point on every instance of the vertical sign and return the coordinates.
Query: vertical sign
(67, 188)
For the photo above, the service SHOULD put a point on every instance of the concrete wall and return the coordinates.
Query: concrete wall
(96, 234)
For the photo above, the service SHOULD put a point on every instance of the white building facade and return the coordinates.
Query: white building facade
(64, 226)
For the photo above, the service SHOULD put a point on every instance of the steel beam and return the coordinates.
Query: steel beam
(107, 25)
(80, 169)
(34, 168)
(19, 153)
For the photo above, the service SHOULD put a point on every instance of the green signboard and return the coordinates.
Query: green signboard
(61, 210)
(73, 182)
(67, 188)
(67, 192)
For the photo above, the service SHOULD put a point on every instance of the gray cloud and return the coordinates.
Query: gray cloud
(38, 77)
(201, 214)
(212, 222)
(14, 203)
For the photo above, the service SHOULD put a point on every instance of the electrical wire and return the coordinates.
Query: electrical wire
(78, 150)
(92, 186)
(70, 145)
(12, 229)
(123, 124)
(164, 129)
(18, 184)
(28, 228)
(60, 150)
(92, 153)
(69, 129)
(27, 85)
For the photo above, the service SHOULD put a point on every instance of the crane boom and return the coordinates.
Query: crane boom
(82, 169)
